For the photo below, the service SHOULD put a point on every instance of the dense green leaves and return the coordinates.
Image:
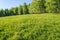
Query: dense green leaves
(53, 6)
(2, 13)
(25, 9)
(20, 10)
(37, 6)
(7, 12)
(14, 11)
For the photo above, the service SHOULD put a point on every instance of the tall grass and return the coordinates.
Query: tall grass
(30, 27)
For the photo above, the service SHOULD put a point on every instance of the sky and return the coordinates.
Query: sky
(12, 3)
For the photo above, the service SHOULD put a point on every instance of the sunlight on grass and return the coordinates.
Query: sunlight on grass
(30, 27)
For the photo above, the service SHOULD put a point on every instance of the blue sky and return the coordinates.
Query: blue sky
(12, 3)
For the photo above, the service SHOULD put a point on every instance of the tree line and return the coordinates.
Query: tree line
(36, 6)
(22, 9)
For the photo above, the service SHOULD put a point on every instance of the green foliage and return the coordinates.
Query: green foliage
(30, 27)
(37, 6)
(25, 9)
(7, 12)
(53, 6)
(20, 10)
(2, 13)
(14, 11)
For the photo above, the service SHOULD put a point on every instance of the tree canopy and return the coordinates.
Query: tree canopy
(36, 6)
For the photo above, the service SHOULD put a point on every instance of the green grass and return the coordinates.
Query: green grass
(30, 27)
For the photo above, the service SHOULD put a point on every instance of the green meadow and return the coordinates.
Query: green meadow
(30, 27)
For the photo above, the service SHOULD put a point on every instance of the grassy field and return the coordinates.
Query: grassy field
(30, 27)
